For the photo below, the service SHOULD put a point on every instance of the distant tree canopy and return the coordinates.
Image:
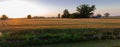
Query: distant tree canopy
(66, 14)
(83, 11)
(107, 15)
(75, 15)
(29, 17)
(86, 10)
(4, 17)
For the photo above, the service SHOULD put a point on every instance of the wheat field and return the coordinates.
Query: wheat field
(58, 23)
(35, 32)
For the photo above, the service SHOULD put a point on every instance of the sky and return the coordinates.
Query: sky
(49, 8)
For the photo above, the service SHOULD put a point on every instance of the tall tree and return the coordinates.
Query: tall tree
(59, 15)
(66, 14)
(29, 16)
(106, 15)
(85, 10)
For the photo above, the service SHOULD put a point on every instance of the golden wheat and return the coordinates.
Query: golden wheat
(59, 23)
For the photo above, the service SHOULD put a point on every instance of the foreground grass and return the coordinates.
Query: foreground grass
(95, 43)
(38, 37)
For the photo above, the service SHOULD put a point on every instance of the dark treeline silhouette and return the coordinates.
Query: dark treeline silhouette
(74, 15)
(37, 17)
(83, 11)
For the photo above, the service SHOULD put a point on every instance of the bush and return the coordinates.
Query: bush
(4, 17)
(74, 15)
(29, 16)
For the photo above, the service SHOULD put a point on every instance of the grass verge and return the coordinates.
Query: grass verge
(34, 37)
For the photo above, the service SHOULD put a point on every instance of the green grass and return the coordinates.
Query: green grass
(37, 37)
(95, 43)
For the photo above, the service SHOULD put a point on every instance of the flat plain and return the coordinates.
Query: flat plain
(35, 32)
(58, 23)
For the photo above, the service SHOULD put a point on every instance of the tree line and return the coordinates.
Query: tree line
(83, 11)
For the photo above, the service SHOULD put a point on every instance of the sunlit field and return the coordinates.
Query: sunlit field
(58, 32)
(59, 23)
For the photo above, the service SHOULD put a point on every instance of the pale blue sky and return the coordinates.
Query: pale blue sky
(21, 8)
(111, 6)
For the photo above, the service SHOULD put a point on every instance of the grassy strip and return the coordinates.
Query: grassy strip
(33, 37)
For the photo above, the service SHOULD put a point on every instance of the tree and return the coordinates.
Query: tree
(29, 16)
(106, 15)
(85, 10)
(59, 15)
(74, 15)
(66, 14)
(4, 17)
